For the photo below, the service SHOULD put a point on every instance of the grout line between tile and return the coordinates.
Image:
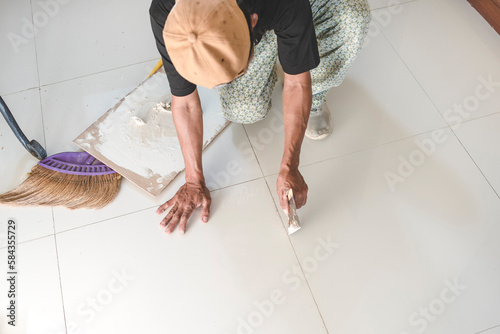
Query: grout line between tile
(99, 72)
(239, 183)
(487, 329)
(75, 78)
(104, 220)
(416, 80)
(43, 236)
(474, 161)
(20, 91)
(480, 117)
(38, 79)
(296, 257)
(382, 144)
(289, 240)
(367, 148)
(30, 240)
(253, 150)
(53, 220)
(136, 211)
(79, 227)
(59, 273)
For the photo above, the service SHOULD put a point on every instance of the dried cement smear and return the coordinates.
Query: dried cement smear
(141, 139)
(138, 135)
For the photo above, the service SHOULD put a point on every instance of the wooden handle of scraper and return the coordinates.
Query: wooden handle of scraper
(157, 67)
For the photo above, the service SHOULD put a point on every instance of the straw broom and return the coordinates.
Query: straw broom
(74, 179)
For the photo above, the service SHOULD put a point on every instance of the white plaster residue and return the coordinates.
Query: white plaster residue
(138, 121)
(138, 135)
(142, 141)
(88, 136)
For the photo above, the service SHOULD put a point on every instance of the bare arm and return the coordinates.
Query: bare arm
(297, 101)
(188, 120)
(186, 111)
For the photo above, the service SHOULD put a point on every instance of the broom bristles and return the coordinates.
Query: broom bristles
(45, 187)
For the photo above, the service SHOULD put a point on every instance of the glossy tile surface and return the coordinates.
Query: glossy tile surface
(455, 57)
(399, 250)
(91, 37)
(18, 55)
(39, 303)
(480, 137)
(222, 272)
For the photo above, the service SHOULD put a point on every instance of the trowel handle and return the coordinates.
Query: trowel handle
(33, 146)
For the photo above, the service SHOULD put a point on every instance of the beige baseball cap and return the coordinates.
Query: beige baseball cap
(208, 41)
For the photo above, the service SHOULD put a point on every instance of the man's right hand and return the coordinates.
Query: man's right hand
(189, 197)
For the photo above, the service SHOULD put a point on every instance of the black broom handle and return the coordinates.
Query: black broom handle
(33, 146)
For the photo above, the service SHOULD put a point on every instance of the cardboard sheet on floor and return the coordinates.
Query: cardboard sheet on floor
(137, 137)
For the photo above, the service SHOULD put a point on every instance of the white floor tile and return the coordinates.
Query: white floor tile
(82, 38)
(39, 302)
(216, 273)
(452, 55)
(378, 102)
(17, 162)
(18, 65)
(229, 159)
(480, 138)
(399, 250)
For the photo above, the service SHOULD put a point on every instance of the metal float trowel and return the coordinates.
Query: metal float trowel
(293, 218)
